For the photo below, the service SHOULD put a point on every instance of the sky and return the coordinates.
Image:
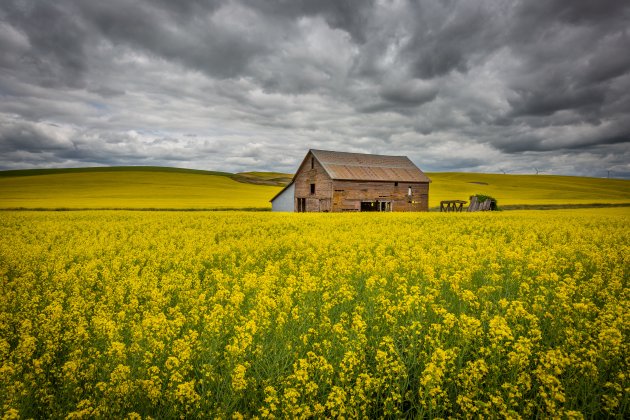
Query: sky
(501, 86)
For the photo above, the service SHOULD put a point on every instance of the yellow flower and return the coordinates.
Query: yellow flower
(239, 382)
(186, 394)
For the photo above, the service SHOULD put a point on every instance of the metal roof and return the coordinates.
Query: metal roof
(366, 167)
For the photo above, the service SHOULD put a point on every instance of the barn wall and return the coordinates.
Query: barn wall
(348, 195)
(321, 199)
(284, 201)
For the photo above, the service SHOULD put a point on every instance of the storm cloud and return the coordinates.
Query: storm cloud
(490, 85)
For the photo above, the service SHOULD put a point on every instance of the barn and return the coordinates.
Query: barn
(329, 181)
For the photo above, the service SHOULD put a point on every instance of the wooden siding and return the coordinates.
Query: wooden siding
(348, 195)
(322, 198)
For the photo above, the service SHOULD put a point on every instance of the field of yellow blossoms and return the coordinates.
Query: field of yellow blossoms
(241, 315)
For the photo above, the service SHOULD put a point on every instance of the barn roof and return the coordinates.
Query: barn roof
(366, 167)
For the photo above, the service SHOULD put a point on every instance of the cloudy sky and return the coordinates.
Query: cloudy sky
(483, 86)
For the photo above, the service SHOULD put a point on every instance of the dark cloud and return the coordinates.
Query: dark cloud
(22, 136)
(203, 38)
(244, 84)
(575, 11)
(57, 56)
(351, 16)
(409, 94)
(608, 61)
(550, 97)
(448, 35)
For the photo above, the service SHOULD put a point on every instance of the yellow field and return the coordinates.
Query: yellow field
(172, 188)
(133, 190)
(223, 315)
(528, 189)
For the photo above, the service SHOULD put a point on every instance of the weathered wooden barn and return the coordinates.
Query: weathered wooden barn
(339, 181)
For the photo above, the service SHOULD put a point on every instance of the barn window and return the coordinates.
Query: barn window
(409, 191)
(395, 184)
(312, 188)
(312, 163)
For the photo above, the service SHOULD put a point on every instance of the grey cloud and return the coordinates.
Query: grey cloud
(63, 143)
(409, 94)
(56, 55)
(449, 34)
(575, 11)
(350, 16)
(561, 139)
(608, 61)
(549, 98)
(22, 137)
(572, 62)
(237, 85)
(218, 46)
(106, 92)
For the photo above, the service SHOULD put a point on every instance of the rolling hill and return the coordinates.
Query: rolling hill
(131, 188)
(142, 187)
(528, 190)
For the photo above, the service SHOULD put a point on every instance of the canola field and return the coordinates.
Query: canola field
(162, 188)
(239, 315)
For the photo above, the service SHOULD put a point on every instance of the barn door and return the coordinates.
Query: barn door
(337, 200)
(324, 205)
(301, 205)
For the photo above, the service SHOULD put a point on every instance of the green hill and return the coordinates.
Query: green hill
(144, 187)
(263, 178)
